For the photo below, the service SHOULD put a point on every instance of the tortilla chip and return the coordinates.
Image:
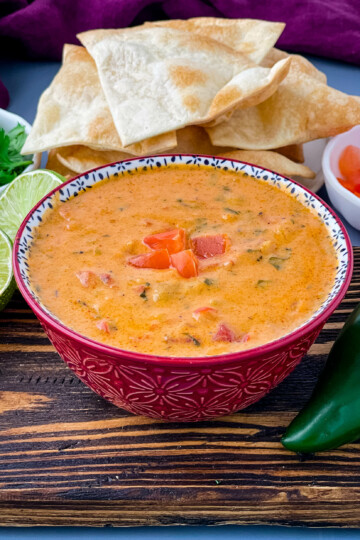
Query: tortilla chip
(273, 56)
(191, 140)
(295, 152)
(72, 160)
(273, 161)
(251, 37)
(53, 164)
(302, 109)
(301, 63)
(159, 79)
(73, 110)
(82, 158)
(195, 140)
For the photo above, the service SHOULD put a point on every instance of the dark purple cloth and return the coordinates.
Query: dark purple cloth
(329, 28)
(37, 29)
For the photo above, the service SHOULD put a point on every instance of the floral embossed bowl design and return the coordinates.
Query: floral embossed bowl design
(172, 388)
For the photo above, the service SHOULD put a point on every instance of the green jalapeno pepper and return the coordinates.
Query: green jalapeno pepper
(332, 415)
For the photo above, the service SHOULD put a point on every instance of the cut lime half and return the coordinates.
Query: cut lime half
(58, 175)
(21, 195)
(7, 281)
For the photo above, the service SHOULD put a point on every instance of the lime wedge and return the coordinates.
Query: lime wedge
(21, 195)
(7, 281)
(60, 176)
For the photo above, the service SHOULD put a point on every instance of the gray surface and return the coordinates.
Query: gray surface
(25, 82)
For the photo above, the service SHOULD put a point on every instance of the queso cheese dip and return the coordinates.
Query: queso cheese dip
(182, 261)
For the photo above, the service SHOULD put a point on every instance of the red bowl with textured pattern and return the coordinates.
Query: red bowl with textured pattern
(172, 388)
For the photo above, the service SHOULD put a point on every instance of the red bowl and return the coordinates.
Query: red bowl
(173, 388)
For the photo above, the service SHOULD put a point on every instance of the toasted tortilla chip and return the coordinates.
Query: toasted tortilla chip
(302, 109)
(251, 37)
(82, 158)
(159, 79)
(300, 63)
(191, 140)
(79, 159)
(53, 164)
(195, 140)
(273, 56)
(273, 161)
(73, 110)
(295, 152)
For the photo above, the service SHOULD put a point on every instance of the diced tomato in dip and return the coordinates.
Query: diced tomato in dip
(203, 311)
(86, 278)
(106, 279)
(174, 240)
(209, 245)
(185, 263)
(224, 333)
(159, 259)
(64, 213)
(103, 326)
(140, 289)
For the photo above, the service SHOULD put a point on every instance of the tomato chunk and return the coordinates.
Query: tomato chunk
(224, 333)
(86, 278)
(185, 263)
(106, 279)
(349, 162)
(103, 326)
(174, 240)
(197, 313)
(209, 245)
(158, 259)
(352, 184)
(65, 214)
(354, 181)
(140, 289)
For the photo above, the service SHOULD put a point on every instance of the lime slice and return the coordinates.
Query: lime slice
(7, 281)
(60, 176)
(21, 195)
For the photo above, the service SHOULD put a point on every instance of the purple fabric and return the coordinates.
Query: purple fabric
(37, 29)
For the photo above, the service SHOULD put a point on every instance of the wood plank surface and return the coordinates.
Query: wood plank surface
(67, 457)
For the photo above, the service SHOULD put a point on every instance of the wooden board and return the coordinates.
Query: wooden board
(67, 457)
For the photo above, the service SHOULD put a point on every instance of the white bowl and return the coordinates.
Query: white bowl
(10, 120)
(342, 199)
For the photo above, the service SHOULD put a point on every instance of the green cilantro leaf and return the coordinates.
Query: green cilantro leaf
(12, 163)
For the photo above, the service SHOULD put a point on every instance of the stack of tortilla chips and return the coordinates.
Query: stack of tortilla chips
(200, 86)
